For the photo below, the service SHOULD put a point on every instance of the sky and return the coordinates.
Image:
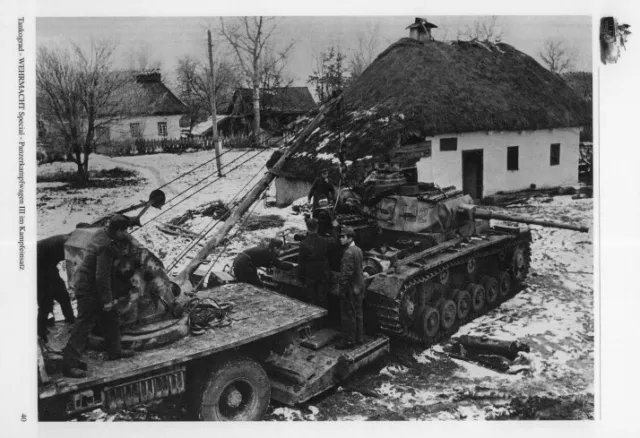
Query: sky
(166, 39)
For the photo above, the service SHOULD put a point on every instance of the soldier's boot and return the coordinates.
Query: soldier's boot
(111, 329)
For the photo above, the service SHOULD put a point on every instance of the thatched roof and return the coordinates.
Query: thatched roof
(419, 89)
(144, 94)
(283, 100)
(155, 98)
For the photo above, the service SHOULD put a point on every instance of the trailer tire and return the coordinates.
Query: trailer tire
(236, 389)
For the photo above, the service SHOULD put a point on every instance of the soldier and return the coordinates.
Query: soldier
(50, 252)
(246, 264)
(322, 189)
(351, 292)
(94, 294)
(313, 263)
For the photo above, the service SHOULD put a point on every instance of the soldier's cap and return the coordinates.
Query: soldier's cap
(275, 243)
(348, 231)
(119, 222)
(324, 170)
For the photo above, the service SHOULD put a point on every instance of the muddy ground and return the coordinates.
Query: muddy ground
(553, 314)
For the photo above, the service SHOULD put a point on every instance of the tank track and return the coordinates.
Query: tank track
(388, 311)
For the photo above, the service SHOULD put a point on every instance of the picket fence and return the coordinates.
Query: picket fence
(156, 146)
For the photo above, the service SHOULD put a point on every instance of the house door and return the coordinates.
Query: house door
(472, 173)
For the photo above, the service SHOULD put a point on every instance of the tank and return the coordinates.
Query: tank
(432, 259)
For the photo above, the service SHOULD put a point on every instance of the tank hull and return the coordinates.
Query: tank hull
(431, 280)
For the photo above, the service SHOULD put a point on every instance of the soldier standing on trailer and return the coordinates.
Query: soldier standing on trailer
(94, 293)
(351, 292)
(50, 252)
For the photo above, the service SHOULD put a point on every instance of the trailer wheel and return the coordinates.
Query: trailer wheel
(237, 389)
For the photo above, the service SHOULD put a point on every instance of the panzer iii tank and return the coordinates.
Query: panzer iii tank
(432, 259)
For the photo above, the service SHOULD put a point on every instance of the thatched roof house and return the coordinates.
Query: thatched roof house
(419, 90)
(415, 90)
(145, 108)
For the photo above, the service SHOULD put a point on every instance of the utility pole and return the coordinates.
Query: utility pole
(212, 101)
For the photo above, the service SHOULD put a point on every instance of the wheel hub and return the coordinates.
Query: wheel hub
(234, 398)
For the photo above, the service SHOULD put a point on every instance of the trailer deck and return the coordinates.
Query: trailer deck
(258, 313)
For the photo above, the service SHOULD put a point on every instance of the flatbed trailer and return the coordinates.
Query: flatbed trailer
(221, 373)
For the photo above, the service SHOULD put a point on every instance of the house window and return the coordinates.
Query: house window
(103, 134)
(162, 129)
(512, 157)
(134, 128)
(554, 157)
(449, 144)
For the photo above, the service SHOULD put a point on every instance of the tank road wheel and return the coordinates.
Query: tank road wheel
(428, 322)
(448, 313)
(409, 306)
(236, 389)
(519, 265)
(463, 304)
(444, 277)
(477, 297)
(504, 284)
(472, 268)
(491, 289)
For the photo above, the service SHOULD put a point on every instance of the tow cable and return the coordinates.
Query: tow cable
(206, 313)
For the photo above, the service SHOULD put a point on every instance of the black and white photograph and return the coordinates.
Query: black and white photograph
(315, 218)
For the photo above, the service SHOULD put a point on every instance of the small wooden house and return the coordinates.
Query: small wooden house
(278, 107)
(480, 116)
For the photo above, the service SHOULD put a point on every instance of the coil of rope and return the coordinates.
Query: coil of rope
(207, 313)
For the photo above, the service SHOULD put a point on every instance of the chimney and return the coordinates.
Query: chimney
(148, 76)
(421, 29)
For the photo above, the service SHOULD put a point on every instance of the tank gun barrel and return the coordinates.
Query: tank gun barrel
(489, 214)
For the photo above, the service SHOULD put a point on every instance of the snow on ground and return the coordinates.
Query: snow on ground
(553, 314)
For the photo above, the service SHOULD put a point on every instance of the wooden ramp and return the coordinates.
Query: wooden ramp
(258, 313)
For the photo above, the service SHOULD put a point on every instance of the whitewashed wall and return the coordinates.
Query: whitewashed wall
(445, 168)
(120, 130)
(288, 190)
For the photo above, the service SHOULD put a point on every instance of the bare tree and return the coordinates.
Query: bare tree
(272, 71)
(367, 48)
(488, 29)
(77, 93)
(329, 74)
(248, 37)
(558, 58)
(194, 87)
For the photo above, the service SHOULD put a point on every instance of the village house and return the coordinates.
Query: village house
(154, 112)
(480, 116)
(279, 106)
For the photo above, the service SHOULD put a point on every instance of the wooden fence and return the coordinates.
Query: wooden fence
(144, 147)
(177, 145)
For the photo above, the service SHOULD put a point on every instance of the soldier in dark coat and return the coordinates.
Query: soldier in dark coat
(313, 262)
(50, 252)
(321, 189)
(94, 293)
(246, 264)
(351, 292)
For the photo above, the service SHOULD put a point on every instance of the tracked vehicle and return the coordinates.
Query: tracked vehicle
(432, 259)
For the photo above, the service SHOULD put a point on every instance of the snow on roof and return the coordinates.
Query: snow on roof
(205, 126)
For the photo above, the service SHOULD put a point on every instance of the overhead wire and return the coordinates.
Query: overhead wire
(240, 227)
(208, 228)
(197, 191)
